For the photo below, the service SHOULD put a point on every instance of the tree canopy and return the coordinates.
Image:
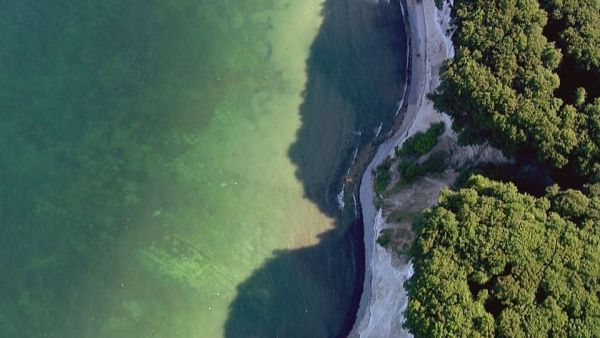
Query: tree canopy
(490, 261)
(578, 29)
(502, 84)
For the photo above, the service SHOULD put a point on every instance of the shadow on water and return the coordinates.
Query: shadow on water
(355, 77)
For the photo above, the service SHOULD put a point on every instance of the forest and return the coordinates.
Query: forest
(491, 259)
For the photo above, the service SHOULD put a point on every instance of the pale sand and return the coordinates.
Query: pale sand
(384, 297)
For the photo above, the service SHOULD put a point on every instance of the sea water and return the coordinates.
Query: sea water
(168, 168)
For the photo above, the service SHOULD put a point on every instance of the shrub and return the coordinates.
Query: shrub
(410, 170)
(382, 176)
(436, 163)
(384, 239)
(422, 142)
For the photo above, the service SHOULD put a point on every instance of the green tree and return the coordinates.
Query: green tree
(383, 176)
(490, 261)
(422, 142)
(587, 153)
(502, 84)
(580, 32)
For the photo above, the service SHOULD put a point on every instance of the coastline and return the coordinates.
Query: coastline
(383, 299)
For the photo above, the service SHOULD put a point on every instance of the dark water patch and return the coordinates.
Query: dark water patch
(357, 237)
(356, 75)
(270, 302)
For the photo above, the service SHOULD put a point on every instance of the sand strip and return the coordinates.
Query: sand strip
(384, 298)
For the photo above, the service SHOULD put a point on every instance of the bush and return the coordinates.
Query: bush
(382, 176)
(436, 163)
(422, 142)
(410, 170)
(384, 239)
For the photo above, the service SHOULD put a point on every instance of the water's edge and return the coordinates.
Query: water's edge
(427, 28)
(380, 147)
(357, 233)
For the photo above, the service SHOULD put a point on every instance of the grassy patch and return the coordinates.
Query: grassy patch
(422, 142)
(410, 170)
(436, 163)
(383, 176)
(384, 239)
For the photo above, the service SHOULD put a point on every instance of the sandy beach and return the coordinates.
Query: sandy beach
(384, 298)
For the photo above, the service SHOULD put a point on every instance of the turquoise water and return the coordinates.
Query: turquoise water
(169, 168)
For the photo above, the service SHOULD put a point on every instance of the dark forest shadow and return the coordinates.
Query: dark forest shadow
(355, 71)
(272, 295)
(355, 77)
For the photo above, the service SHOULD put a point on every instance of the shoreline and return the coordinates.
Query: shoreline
(356, 230)
(361, 159)
(378, 312)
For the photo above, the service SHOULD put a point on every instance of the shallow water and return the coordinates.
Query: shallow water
(169, 168)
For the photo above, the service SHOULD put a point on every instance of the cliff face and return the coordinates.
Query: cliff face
(384, 297)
